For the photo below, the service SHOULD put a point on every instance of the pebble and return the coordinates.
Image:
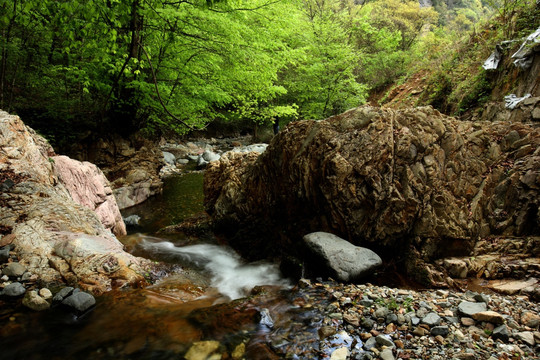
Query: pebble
(390, 326)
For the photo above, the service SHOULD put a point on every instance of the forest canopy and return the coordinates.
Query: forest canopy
(161, 66)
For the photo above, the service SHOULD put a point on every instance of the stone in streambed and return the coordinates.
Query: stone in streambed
(14, 289)
(469, 308)
(440, 331)
(35, 302)
(201, 350)
(386, 354)
(340, 354)
(63, 293)
(489, 316)
(80, 301)
(4, 254)
(14, 269)
(526, 337)
(501, 333)
(431, 319)
(346, 261)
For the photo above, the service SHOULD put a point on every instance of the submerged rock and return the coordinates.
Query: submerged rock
(348, 262)
(14, 289)
(35, 302)
(80, 301)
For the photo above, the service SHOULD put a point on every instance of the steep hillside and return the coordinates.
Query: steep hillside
(457, 84)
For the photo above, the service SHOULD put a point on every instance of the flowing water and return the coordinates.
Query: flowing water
(204, 296)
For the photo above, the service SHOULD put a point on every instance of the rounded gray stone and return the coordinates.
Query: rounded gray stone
(440, 330)
(80, 301)
(347, 261)
(14, 289)
(468, 308)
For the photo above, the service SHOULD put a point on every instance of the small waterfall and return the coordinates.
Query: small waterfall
(229, 275)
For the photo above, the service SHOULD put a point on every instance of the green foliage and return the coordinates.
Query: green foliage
(157, 66)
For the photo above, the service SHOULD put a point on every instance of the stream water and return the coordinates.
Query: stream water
(202, 299)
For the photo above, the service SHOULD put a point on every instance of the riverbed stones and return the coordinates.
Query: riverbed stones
(525, 336)
(468, 308)
(4, 254)
(431, 319)
(346, 261)
(80, 301)
(14, 289)
(35, 302)
(14, 269)
(489, 316)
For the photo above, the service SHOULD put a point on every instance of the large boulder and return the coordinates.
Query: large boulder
(344, 260)
(132, 165)
(54, 236)
(409, 181)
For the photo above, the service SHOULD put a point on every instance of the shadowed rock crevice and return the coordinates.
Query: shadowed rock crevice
(411, 181)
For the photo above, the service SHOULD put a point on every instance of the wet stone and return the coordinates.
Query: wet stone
(14, 289)
(35, 302)
(63, 293)
(4, 254)
(80, 301)
(14, 269)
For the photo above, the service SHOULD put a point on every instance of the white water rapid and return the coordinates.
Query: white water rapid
(229, 275)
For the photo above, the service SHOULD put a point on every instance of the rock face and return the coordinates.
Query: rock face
(54, 236)
(88, 187)
(346, 261)
(411, 181)
(132, 166)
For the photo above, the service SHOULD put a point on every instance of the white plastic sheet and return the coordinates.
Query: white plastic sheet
(511, 101)
(523, 56)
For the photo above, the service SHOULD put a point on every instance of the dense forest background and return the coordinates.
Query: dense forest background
(71, 68)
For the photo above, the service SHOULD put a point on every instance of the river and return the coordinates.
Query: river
(203, 302)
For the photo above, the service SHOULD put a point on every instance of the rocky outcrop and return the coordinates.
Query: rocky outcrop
(88, 186)
(409, 181)
(132, 165)
(54, 236)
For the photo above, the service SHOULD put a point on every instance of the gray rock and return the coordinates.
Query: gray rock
(440, 330)
(431, 319)
(169, 158)
(381, 313)
(4, 254)
(383, 340)
(14, 269)
(370, 343)
(193, 158)
(201, 162)
(347, 261)
(366, 302)
(391, 318)
(63, 293)
(468, 308)
(210, 156)
(132, 220)
(501, 333)
(182, 161)
(35, 302)
(367, 323)
(14, 289)
(482, 298)
(80, 301)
